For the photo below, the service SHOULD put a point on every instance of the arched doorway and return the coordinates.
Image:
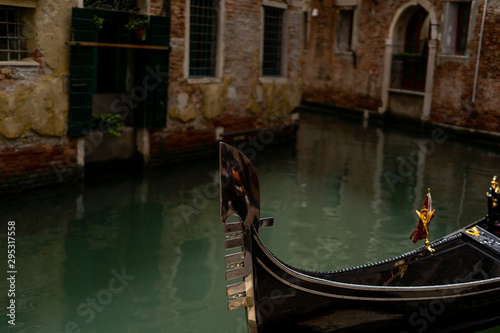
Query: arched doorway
(409, 68)
(409, 60)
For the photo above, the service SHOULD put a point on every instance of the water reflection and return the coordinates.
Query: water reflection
(145, 254)
(356, 189)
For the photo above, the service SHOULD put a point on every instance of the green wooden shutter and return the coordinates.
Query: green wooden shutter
(82, 72)
(158, 62)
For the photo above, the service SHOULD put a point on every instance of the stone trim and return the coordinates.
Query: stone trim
(19, 3)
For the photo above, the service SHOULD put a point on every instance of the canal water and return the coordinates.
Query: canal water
(138, 254)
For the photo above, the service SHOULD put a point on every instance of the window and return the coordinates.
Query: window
(456, 27)
(203, 29)
(12, 34)
(463, 12)
(273, 41)
(305, 29)
(344, 30)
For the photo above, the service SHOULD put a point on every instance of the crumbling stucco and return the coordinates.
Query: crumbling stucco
(40, 106)
(254, 102)
(215, 97)
(53, 17)
(183, 111)
(282, 99)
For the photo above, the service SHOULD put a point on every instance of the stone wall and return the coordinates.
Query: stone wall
(356, 79)
(454, 80)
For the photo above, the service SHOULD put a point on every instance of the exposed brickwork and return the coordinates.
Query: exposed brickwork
(332, 76)
(159, 7)
(238, 100)
(357, 81)
(25, 166)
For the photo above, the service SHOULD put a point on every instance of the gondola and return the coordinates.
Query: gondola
(454, 288)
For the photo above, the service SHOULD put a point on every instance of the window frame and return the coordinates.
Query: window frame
(26, 11)
(339, 38)
(451, 29)
(219, 56)
(459, 33)
(18, 38)
(282, 77)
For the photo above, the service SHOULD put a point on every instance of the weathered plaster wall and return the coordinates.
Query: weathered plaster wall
(34, 149)
(34, 98)
(39, 106)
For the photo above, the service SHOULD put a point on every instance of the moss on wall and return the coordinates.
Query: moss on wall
(214, 98)
(282, 99)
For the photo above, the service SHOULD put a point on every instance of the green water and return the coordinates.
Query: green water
(145, 254)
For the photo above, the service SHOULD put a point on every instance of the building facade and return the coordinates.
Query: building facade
(34, 67)
(431, 60)
(177, 75)
(235, 66)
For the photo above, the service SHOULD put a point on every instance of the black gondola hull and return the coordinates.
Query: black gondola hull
(290, 300)
(453, 288)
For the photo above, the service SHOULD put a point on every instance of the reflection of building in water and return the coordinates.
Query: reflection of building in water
(374, 180)
(42, 300)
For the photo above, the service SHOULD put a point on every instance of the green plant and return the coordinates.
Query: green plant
(98, 22)
(107, 122)
(139, 25)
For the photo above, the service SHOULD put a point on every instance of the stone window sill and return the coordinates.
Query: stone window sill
(273, 79)
(204, 80)
(407, 92)
(453, 58)
(27, 62)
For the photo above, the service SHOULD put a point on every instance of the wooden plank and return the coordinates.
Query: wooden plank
(127, 46)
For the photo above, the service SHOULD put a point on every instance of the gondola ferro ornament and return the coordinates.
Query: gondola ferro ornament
(425, 217)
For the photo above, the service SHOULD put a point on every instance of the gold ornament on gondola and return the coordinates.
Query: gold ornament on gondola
(425, 217)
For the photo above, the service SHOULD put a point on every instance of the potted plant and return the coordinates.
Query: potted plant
(98, 22)
(107, 122)
(138, 26)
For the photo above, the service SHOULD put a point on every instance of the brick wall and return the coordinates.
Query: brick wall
(356, 80)
(454, 79)
(341, 78)
(238, 100)
(29, 165)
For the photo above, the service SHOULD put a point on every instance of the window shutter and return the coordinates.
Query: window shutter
(82, 72)
(152, 74)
